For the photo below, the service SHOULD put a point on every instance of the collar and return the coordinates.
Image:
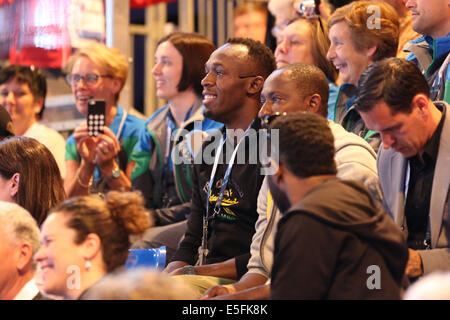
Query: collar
(28, 291)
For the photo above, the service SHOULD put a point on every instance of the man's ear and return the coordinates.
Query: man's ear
(279, 175)
(314, 103)
(420, 103)
(14, 185)
(24, 257)
(255, 85)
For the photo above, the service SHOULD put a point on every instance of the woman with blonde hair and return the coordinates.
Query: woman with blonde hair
(98, 164)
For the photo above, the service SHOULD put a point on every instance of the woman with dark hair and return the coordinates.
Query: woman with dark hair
(29, 176)
(179, 68)
(86, 237)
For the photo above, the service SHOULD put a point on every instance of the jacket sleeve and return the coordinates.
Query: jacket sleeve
(188, 248)
(255, 264)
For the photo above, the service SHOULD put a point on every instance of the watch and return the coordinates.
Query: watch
(115, 174)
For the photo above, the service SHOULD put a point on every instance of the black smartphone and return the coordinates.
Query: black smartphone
(96, 116)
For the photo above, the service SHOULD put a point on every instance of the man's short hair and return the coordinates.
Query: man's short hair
(394, 81)
(306, 144)
(19, 225)
(195, 50)
(364, 35)
(259, 53)
(31, 76)
(310, 80)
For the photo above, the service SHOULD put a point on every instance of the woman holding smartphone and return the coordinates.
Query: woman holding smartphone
(98, 163)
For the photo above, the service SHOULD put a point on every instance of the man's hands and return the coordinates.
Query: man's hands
(414, 265)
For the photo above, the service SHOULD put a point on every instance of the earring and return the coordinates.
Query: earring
(87, 265)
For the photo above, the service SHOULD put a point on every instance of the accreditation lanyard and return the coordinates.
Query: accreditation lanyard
(203, 250)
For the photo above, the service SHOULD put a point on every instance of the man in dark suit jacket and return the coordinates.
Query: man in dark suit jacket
(19, 239)
(394, 99)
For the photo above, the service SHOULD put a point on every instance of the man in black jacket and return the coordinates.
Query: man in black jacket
(225, 193)
(333, 241)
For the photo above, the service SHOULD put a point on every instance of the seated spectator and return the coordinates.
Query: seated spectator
(6, 124)
(180, 66)
(394, 98)
(430, 52)
(22, 93)
(86, 237)
(19, 238)
(29, 176)
(140, 284)
(283, 12)
(406, 31)
(355, 44)
(434, 286)
(285, 91)
(332, 236)
(98, 164)
(250, 21)
(306, 40)
(224, 194)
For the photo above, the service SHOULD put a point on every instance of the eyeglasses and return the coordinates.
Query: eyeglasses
(268, 118)
(89, 79)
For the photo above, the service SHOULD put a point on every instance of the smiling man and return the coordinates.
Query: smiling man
(224, 195)
(430, 52)
(394, 99)
(355, 44)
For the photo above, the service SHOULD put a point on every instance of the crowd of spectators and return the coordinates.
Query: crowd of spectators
(316, 169)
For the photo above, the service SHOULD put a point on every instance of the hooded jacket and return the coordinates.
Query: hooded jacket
(354, 249)
(355, 160)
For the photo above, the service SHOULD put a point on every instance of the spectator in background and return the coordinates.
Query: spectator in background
(19, 241)
(22, 93)
(355, 44)
(140, 284)
(179, 68)
(406, 32)
(306, 40)
(430, 52)
(86, 237)
(284, 12)
(98, 164)
(394, 98)
(250, 21)
(29, 176)
(6, 125)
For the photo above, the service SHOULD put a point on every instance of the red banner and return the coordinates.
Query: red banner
(135, 4)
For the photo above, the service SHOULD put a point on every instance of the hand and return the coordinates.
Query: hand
(216, 291)
(414, 265)
(107, 148)
(85, 143)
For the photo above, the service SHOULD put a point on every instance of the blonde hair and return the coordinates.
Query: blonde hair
(108, 58)
(356, 16)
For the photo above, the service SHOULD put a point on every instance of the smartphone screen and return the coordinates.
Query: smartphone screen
(96, 116)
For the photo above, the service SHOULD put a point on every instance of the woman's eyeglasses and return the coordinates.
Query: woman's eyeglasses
(89, 79)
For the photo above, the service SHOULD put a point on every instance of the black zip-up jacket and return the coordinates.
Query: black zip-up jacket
(230, 231)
